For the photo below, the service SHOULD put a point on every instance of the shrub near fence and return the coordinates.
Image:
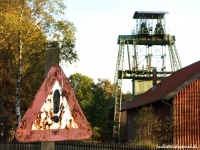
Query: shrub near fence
(73, 145)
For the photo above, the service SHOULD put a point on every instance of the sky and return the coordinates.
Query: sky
(99, 22)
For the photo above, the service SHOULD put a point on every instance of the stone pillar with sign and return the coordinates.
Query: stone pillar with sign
(52, 59)
(54, 114)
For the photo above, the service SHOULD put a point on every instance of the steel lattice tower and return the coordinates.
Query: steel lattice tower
(146, 49)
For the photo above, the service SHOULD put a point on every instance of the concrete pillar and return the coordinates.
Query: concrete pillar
(52, 59)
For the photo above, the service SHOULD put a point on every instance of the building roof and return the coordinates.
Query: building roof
(168, 87)
(149, 14)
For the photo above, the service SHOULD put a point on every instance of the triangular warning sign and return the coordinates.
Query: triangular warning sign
(54, 114)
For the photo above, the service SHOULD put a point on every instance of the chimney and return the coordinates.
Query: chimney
(154, 79)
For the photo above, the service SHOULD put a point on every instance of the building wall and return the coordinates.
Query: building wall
(130, 124)
(187, 115)
(123, 127)
(162, 109)
(141, 86)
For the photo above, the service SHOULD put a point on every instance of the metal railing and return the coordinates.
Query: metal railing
(75, 145)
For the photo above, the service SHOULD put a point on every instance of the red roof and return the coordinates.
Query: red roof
(168, 87)
(149, 14)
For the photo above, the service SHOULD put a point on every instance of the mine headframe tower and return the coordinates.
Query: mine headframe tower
(146, 49)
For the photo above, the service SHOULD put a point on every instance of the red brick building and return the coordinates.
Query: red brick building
(177, 96)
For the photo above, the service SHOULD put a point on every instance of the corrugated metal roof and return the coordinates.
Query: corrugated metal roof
(168, 87)
(149, 14)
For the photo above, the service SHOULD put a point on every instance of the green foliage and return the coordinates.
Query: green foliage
(95, 101)
(32, 62)
(64, 39)
(97, 111)
(82, 86)
(147, 126)
(151, 130)
(27, 21)
(166, 131)
(48, 16)
(127, 96)
(67, 41)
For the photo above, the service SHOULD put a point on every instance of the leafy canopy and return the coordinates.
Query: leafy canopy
(35, 23)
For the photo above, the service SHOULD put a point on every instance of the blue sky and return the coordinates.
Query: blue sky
(99, 22)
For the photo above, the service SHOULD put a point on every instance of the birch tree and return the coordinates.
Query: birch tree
(27, 27)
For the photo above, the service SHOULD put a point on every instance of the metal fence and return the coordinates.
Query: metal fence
(73, 145)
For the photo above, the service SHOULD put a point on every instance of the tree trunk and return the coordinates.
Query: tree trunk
(19, 73)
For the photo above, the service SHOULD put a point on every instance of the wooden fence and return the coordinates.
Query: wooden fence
(74, 145)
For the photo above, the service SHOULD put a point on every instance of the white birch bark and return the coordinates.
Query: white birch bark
(19, 73)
